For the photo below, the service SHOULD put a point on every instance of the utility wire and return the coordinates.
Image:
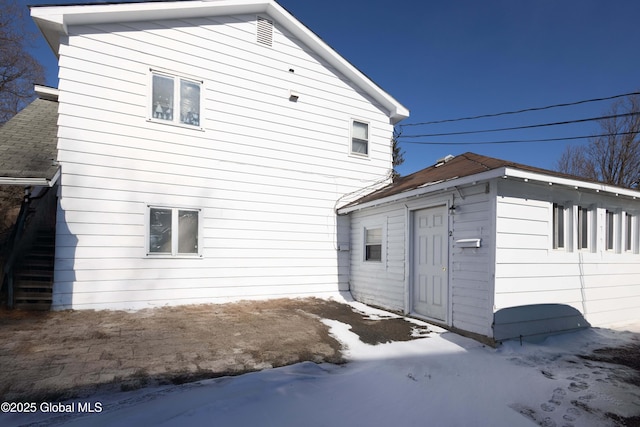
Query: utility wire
(483, 116)
(590, 119)
(517, 141)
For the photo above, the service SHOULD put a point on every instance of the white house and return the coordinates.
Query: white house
(498, 249)
(203, 148)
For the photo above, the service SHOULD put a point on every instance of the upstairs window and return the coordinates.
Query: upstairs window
(175, 99)
(558, 226)
(173, 231)
(359, 138)
(373, 244)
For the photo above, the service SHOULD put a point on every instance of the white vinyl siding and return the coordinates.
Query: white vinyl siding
(602, 284)
(470, 270)
(265, 173)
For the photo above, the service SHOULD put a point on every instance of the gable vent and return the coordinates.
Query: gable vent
(265, 31)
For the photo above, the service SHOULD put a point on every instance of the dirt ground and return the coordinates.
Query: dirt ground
(60, 355)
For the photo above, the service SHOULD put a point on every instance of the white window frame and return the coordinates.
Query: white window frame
(366, 244)
(352, 137)
(555, 233)
(175, 233)
(588, 216)
(152, 114)
(630, 233)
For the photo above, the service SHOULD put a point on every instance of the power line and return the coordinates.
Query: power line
(566, 122)
(526, 110)
(518, 141)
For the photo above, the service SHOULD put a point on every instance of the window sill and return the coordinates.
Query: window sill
(174, 124)
(169, 256)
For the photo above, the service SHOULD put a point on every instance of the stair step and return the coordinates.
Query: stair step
(33, 284)
(33, 296)
(30, 306)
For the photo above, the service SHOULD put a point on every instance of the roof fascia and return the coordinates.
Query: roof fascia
(568, 182)
(53, 21)
(425, 189)
(26, 182)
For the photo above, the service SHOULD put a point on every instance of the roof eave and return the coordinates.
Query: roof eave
(502, 172)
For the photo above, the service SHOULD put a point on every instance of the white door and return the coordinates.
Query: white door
(430, 287)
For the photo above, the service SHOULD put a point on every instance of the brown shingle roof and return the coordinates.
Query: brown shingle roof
(457, 167)
(28, 142)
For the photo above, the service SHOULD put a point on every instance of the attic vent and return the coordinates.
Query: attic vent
(265, 31)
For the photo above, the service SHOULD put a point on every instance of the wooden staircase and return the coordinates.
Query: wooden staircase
(33, 276)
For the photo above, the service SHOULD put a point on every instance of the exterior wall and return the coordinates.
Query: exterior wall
(603, 285)
(379, 283)
(387, 283)
(472, 268)
(265, 172)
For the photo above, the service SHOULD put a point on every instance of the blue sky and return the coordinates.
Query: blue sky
(459, 58)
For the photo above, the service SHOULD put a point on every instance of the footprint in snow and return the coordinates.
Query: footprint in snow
(578, 386)
(571, 415)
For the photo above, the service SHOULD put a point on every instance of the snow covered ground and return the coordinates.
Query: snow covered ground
(439, 380)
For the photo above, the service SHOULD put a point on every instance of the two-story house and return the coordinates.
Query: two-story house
(203, 148)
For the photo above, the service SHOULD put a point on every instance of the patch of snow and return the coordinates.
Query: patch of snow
(443, 379)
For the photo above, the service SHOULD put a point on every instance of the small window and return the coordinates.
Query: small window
(558, 226)
(628, 231)
(360, 138)
(373, 244)
(173, 231)
(175, 99)
(583, 228)
(610, 230)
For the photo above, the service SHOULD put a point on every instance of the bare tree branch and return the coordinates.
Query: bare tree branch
(614, 157)
(19, 70)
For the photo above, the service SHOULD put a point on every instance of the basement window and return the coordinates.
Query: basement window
(173, 231)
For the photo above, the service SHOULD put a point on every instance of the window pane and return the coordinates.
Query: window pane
(160, 230)
(558, 226)
(360, 138)
(609, 230)
(360, 131)
(373, 253)
(189, 103)
(188, 232)
(628, 233)
(373, 235)
(583, 228)
(162, 98)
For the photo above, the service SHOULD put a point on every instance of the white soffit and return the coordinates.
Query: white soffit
(54, 20)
